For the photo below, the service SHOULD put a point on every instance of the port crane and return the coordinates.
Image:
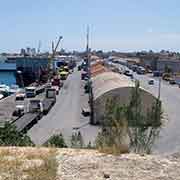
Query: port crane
(54, 50)
(57, 45)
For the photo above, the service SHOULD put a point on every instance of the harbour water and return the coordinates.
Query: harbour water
(7, 73)
(7, 77)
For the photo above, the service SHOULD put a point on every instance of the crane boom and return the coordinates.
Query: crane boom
(60, 38)
(53, 48)
(52, 56)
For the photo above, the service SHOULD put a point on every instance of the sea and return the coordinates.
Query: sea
(7, 73)
(7, 77)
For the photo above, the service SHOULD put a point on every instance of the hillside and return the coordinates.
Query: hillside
(70, 164)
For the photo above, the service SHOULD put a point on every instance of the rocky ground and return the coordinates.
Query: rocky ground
(69, 164)
(91, 165)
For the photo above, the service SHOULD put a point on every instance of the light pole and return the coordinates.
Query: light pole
(159, 88)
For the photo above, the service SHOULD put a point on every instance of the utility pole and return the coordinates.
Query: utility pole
(87, 51)
(89, 77)
(87, 40)
(159, 88)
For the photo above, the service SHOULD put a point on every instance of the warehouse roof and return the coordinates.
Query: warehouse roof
(108, 81)
(97, 68)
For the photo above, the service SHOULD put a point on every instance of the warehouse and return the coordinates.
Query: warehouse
(113, 85)
(32, 68)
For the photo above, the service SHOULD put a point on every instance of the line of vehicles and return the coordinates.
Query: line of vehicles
(83, 67)
(172, 78)
(31, 111)
(36, 101)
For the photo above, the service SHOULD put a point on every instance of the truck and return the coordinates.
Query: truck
(32, 115)
(49, 100)
(34, 110)
(20, 105)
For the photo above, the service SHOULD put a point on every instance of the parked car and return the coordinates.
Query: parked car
(151, 82)
(86, 111)
(128, 73)
(172, 82)
(79, 68)
(30, 92)
(19, 111)
(84, 76)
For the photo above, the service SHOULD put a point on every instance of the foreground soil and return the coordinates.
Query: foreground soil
(73, 164)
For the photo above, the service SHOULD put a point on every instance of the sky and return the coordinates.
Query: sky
(124, 25)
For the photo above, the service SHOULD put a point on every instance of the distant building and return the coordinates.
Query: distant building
(33, 51)
(28, 50)
(160, 63)
(172, 64)
(23, 52)
(32, 68)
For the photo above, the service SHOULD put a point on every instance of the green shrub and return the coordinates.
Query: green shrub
(9, 136)
(128, 123)
(56, 141)
(77, 140)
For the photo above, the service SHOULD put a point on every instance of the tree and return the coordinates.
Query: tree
(114, 129)
(143, 129)
(77, 140)
(129, 121)
(56, 141)
(167, 69)
(9, 136)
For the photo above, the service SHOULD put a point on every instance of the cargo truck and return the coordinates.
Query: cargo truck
(34, 110)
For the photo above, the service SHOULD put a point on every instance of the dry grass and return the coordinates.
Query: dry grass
(28, 164)
(113, 150)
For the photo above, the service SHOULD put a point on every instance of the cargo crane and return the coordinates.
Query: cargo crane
(53, 55)
(57, 45)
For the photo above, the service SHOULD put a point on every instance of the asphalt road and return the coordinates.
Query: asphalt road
(66, 114)
(169, 140)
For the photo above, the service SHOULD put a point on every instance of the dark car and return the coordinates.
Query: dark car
(84, 75)
(172, 81)
(151, 82)
(79, 68)
(86, 111)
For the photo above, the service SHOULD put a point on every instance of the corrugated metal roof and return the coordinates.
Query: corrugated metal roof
(97, 68)
(108, 81)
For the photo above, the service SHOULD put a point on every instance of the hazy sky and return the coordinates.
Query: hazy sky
(114, 24)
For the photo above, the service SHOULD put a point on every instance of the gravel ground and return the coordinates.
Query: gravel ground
(91, 165)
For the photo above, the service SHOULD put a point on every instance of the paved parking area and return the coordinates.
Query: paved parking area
(65, 117)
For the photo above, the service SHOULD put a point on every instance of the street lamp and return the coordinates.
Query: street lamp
(159, 88)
